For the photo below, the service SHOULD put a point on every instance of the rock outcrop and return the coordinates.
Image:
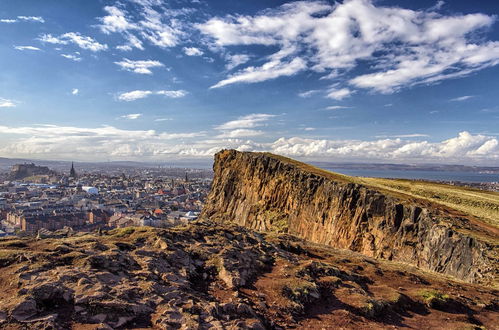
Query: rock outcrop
(272, 193)
(221, 276)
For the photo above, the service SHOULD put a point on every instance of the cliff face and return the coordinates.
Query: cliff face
(272, 193)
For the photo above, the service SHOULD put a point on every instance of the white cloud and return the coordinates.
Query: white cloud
(81, 41)
(23, 18)
(5, 103)
(463, 148)
(132, 116)
(308, 93)
(156, 24)
(75, 91)
(236, 60)
(162, 119)
(115, 21)
(72, 57)
(173, 94)
(248, 121)
(102, 143)
(239, 133)
(192, 51)
(269, 70)
(338, 94)
(437, 6)
(336, 107)
(27, 48)
(31, 19)
(99, 143)
(132, 42)
(134, 95)
(141, 67)
(140, 94)
(462, 98)
(402, 47)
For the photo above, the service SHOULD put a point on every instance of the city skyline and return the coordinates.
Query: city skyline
(152, 80)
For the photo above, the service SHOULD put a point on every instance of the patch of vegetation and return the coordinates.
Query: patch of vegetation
(301, 291)
(277, 220)
(123, 232)
(434, 299)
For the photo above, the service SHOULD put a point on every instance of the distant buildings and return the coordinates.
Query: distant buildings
(86, 201)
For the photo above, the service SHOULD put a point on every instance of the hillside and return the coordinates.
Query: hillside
(212, 276)
(440, 228)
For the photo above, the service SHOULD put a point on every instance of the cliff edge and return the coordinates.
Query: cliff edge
(273, 193)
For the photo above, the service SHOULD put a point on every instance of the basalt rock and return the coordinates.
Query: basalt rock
(272, 193)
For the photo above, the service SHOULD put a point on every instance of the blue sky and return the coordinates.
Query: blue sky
(152, 80)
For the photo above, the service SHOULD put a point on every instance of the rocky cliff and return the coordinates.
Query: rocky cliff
(272, 193)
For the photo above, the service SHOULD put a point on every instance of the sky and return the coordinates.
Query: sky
(159, 80)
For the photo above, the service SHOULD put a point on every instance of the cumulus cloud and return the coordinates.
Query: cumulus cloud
(140, 67)
(27, 48)
(75, 91)
(52, 141)
(5, 103)
(464, 147)
(140, 94)
(132, 116)
(84, 42)
(403, 47)
(98, 143)
(192, 51)
(116, 21)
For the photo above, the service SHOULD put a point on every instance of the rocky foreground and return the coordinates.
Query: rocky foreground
(214, 276)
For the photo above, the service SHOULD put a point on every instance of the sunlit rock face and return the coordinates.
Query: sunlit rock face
(272, 193)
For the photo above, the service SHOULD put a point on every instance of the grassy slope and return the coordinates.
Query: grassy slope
(483, 205)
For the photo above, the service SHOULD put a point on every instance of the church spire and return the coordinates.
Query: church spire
(72, 173)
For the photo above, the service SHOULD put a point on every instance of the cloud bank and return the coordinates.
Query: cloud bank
(52, 141)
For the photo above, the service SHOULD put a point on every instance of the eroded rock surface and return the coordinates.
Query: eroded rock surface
(270, 193)
(218, 276)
